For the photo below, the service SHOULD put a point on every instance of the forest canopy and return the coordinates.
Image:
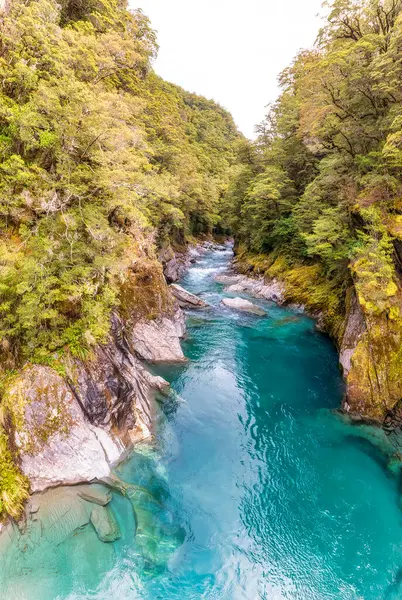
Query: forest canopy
(101, 162)
(320, 193)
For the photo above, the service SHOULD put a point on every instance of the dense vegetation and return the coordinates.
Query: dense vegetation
(100, 160)
(318, 200)
(102, 165)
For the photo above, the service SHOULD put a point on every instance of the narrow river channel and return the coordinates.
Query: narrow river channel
(269, 494)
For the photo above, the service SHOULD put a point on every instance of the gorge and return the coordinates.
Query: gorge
(200, 335)
(254, 486)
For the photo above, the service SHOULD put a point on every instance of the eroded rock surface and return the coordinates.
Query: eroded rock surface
(72, 429)
(355, 327)
(371, 358)
(158, 341)
(55, 442)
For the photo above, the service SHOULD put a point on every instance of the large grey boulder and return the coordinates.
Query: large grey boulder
(186, 299)
(244, 306)
(229, 279)
(158, 341)
(55, 443)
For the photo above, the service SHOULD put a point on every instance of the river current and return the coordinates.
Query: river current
(264, 493)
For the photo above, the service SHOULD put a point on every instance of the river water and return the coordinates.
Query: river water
(264, 492)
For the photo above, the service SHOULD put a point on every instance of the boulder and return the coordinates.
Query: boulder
(186, 299)
(96, 494)
(105, 524)
(244, 306)
(273, 290)
(158, 341)
(236, 288)
(229, 279)
(73, 429)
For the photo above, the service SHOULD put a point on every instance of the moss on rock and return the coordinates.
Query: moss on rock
(374, 373)
(14, 486)
(144, 293)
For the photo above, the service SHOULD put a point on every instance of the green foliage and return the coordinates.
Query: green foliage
(373, 268)
(323, 188)
(14, 487)
(99, 158)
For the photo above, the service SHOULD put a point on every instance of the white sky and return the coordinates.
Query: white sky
(231, 50)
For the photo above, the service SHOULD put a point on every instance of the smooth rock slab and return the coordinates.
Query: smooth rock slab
(228, 279)
(186, 299)
(236, 288)
(95, 494)
(244, 305)
(105, 524)
(56, 443)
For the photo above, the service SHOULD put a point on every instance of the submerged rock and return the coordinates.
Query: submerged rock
(186, 299)
(105, 524)
(395, 463)
(95, 494)
(244, 305)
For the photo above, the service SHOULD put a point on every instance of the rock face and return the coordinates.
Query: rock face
(175, 264)
(72, 429)
(354, 329)
(244, 306)
(185, 298)
(158, 341)
(370, 354)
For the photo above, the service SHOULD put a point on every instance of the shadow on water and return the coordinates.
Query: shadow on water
(394, 591)
(370, 450)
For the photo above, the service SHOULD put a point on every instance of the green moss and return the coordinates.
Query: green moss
(37, 407)
(144, 293)
(14, 486)
(304, 284)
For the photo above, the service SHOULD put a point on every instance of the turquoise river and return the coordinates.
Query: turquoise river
(262, 490)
